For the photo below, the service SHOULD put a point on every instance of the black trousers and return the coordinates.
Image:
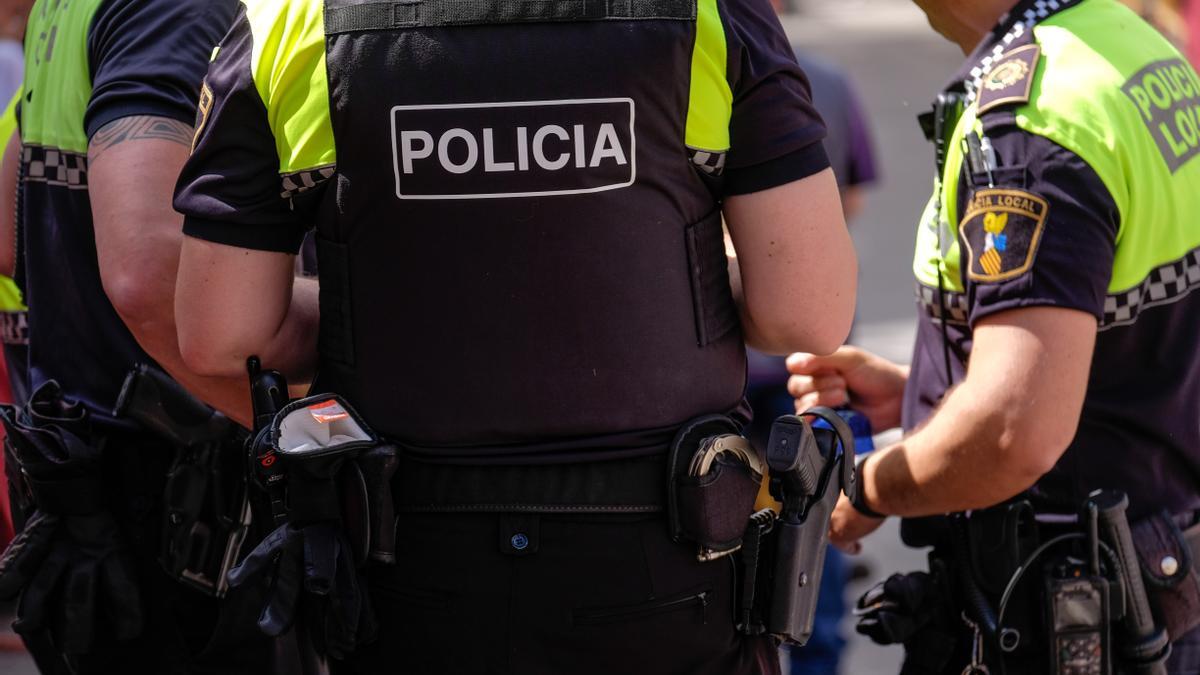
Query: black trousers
(475, 594)
(185, 631)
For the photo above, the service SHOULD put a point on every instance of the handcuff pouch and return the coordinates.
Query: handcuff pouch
(713, 475)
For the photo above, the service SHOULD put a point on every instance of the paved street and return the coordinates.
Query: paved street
(897, 63)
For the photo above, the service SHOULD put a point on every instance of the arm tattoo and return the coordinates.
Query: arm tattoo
(139, 128)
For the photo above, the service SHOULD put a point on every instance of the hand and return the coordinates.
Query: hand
(847, 526)
(850, 376)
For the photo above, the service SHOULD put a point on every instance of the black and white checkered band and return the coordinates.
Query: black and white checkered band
(301, 181)
(14, 328)
(708, 161)
(1041, 10)
(1166, 284)
(54, 167)
(956, 305)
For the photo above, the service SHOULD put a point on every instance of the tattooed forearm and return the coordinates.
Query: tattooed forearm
(139, 128)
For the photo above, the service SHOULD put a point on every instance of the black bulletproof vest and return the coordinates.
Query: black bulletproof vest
(519, 257)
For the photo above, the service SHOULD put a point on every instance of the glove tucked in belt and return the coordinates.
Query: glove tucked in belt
(308, 564)
(69, 564)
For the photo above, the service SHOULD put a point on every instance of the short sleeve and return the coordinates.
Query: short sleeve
(147, 57)
(230, 190)
(775, 131)
(1044, 234)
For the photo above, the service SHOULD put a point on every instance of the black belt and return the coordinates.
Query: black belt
(612, 486)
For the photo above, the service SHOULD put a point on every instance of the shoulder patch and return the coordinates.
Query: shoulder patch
(1010, 80)
(1001, 230)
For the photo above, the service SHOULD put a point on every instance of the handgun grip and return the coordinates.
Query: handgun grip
(157, 402)
(1147, 646)
(792, 452)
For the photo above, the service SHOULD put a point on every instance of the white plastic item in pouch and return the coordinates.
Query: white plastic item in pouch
(321, 425)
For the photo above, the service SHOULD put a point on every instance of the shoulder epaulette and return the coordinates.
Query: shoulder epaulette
(1010, 80)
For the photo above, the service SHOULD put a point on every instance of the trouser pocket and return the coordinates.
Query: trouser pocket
(691, 601)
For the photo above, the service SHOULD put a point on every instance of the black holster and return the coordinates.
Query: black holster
(206, 511)
(783, 556)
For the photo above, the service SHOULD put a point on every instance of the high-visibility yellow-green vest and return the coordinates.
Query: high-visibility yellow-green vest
(1116, 93)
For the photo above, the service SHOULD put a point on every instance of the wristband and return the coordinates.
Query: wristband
(858, 499)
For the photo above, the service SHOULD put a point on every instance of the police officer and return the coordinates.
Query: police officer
(109, 97)
(1057, 344)
(523, 283)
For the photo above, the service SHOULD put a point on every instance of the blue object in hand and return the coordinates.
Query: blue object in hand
(859, 424)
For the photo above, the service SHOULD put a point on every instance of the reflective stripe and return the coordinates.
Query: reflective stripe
(288, 66)
(955, 303)
(710, 100)
(54, 166)
(1166, 284)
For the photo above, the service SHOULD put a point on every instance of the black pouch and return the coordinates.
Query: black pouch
(714, 507)
(713, 478)
(1169, 568)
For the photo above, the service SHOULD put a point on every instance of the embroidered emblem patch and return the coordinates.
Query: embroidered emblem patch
(1001, 230)
(1006, 75)
(1011, 78)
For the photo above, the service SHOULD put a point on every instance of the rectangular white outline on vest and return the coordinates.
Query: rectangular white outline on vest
(515, 104)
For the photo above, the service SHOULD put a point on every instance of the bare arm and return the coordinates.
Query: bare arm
(132, 166)
(1004, 427)
(8, 205)
(232, 303)
(796, 264)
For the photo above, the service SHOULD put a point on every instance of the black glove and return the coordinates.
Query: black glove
(892, 611)
(311, 571)
(74, 579)
(914, 610)
(68, 564)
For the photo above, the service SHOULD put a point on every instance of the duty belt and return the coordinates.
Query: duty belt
(611, 486)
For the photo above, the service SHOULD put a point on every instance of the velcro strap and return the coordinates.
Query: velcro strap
(615, 486)
(374, 16)
(78, 496)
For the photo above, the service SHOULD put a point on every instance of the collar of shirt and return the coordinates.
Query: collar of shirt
(1026, 13)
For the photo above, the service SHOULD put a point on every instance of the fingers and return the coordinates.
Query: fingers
(814, 390)
(845, 358)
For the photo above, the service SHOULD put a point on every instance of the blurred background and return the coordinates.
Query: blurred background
(889, 64)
